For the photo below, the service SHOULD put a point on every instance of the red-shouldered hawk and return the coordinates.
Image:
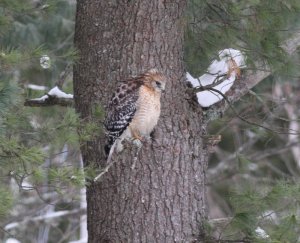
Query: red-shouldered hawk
(134, 109)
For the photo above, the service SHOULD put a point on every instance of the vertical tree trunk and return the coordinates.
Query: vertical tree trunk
(163, 198)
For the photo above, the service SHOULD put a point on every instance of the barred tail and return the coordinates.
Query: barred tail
(108, 146)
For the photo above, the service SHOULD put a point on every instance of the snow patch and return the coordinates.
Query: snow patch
(36, 87)
(84, 240)
(59, 94)
(12, 240)
(54, 92)
(218, 71)
(261, 233)
(26, 185)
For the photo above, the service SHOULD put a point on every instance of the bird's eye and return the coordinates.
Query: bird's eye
(158, 84)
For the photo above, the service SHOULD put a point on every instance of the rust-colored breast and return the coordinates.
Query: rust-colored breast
(148, 111)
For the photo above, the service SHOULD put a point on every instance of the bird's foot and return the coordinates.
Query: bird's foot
(138, 143)
(120, 147)
(148, 139)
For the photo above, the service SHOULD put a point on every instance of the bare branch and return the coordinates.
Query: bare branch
(6, 232)
(250, 122)
(230, 168)
(46, 217)
(64, 74)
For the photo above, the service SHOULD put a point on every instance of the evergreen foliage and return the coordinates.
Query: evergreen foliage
(6, 201)
(267, 209)
(38, 146)
(260, 176)
(255, 27)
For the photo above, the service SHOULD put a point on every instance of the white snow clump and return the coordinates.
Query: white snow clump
(218, 70)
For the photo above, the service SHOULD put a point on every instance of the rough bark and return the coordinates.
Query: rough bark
(163, 198)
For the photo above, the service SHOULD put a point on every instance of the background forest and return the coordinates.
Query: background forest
(253, 176)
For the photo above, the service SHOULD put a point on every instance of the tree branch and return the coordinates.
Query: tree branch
(251, 79)
(64, 74)
(54, 97)
(46, 217)
(52, 100)
(290, 131)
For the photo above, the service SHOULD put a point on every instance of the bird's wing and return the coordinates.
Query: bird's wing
(121, 110)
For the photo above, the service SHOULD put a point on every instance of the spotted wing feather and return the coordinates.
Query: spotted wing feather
(121, 110)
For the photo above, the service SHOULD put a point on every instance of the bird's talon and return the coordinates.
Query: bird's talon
(119, 148)
(137, 143)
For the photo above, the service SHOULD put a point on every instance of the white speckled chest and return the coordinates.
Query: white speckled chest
(148, 111)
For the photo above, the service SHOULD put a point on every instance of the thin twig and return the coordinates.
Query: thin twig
(54, 215)
(237, 114)
(64, 74)
(5, 231)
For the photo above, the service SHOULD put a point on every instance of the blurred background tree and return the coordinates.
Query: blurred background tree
(40, 162)
(253, 173)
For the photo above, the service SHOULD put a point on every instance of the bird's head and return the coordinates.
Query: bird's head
(155, 80)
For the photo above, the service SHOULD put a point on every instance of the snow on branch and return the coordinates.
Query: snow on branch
(222, 223)
(252, 78)
(220, 75)
(36, 87)
(54, 97)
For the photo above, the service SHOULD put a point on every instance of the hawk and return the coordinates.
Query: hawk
(134, 109)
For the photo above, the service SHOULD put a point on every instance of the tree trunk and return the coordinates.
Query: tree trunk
(163, 198)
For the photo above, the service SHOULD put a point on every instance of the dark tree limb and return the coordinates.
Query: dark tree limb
(49, 101)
